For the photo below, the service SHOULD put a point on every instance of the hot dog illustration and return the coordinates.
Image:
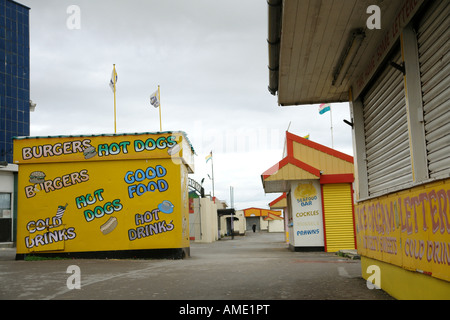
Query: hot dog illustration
(109, 225)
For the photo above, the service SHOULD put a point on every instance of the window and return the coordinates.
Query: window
(5, 205)
(5, 217)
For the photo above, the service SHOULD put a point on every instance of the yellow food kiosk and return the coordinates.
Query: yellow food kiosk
(104, 196)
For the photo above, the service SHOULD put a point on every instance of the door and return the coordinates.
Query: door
(5, 217)
(338, 217)
(250, 221)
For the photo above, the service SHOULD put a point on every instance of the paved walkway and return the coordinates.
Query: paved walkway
(257, 266)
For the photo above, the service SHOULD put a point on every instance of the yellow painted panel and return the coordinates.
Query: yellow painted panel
(321, 160)
(410, 228)
(265, 212)
(48, 236)
(403, 284)
(252, 212)
(337, 199)
(100, 205)
(280, 204)
(170, 145)
(291, 172)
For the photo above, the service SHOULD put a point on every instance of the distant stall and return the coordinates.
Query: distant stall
(256, 217)
(274, 223)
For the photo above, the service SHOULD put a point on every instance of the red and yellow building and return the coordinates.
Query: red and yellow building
(281, 203)
(260, 217)
(316, 182)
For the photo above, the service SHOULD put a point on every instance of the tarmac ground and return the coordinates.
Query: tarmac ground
(257, 266)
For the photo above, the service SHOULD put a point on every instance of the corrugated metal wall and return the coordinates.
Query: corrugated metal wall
(386, 130)
(339, 226)
(433, 39)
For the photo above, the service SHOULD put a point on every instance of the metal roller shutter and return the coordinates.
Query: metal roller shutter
(386, 132)
(338, 213)
(433, 41)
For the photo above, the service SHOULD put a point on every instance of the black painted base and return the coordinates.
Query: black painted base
(306, 249)
(178, 253)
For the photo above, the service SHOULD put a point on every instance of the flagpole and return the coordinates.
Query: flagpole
(114, 83)
(324, 107)
(331, 121)
(212, 171)
(159, 99)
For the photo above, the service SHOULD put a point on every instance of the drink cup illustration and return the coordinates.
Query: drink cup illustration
(166, 206)
(60, 211)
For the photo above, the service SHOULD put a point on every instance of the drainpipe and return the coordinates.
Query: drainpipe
(274, 36)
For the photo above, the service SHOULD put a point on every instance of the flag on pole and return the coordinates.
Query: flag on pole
(207, 158)
(324, 107)
(154, 99)
(112, 84)
(113, 81)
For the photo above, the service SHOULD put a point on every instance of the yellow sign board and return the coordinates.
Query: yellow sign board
(410, 229)
(103, 193)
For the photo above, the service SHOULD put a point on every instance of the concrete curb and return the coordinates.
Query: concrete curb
(351, 254)
(7, 245)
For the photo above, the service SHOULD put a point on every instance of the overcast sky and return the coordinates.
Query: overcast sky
(210, 59)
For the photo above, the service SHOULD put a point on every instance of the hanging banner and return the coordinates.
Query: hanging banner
(410, 229)
(307, 214)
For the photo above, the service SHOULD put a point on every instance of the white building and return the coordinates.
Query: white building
(8, 174)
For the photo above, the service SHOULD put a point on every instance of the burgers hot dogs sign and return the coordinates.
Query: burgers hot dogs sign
(84, 147)
(103, 193)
